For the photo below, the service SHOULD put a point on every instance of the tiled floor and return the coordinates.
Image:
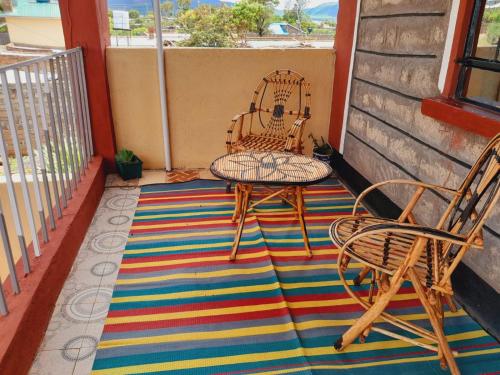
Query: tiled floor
(78, 319)
(75, 328)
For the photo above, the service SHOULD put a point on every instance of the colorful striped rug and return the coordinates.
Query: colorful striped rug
(179, 306)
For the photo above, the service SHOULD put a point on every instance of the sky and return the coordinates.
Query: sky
(311, 3)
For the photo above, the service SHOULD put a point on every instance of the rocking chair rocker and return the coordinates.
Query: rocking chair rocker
(395, 251)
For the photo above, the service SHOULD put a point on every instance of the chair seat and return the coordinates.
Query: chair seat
(383, 252)
(260, 143)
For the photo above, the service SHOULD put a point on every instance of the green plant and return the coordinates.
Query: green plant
(323, 148)
(207, 26)
(125, 156)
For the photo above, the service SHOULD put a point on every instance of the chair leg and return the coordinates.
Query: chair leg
(451, 303)
(361, 276)
(241, 224)
(300, 212)
(369, 316)
(237, 203)
(444, 347)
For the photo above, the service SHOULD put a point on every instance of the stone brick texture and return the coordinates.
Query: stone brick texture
(385, 113)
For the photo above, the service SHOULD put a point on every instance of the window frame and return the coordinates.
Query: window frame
(470, 61)
(446, 107)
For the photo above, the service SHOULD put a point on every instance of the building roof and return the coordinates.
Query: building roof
(278, 28)
(35, 9)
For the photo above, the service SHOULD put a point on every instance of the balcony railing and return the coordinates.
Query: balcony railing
(45, 146)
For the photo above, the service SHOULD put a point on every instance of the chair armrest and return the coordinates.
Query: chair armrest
(238, 118)
(401, 182)
(295, 134)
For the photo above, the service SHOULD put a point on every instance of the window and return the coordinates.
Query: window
(479, 77)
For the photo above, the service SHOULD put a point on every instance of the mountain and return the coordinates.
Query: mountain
(145, 6)
(323, 12)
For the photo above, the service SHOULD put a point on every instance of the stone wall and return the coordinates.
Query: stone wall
(397, 63)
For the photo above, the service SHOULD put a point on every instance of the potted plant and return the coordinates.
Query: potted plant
(128, 164)
(322, 151)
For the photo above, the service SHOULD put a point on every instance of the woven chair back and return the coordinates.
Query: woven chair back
(281, 98)
(479, 192)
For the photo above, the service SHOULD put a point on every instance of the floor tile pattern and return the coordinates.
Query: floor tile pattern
(75, 328)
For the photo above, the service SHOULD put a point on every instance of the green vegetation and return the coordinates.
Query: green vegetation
(207, 26)
(224, 26)
(492, 19)
(125, 156)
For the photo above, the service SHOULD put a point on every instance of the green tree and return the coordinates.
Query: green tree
(139, 31)
(166, 9)
(253, 15)
(207, 26)
(492, 19)
(183, 5)
(297, 16)
(133, 14)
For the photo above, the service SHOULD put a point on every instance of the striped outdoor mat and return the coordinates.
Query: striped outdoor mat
(180, 307)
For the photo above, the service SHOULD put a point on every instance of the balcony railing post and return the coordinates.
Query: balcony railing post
(19, 157)
(59, 128)
(31, 156)
(43, 117)
(65, 129)
(71, 121)
(53, 128)
(78, 108)
(3, 303)
(8, 253)
(38, 142)
(14, 208)
(85, 102)
(46, 95)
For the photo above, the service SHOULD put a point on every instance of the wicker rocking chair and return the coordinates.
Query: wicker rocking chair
(395, 251)
(280, 124)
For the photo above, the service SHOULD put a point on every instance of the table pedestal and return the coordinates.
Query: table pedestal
(242, 193)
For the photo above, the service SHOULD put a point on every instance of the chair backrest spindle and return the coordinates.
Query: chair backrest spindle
(272, 98)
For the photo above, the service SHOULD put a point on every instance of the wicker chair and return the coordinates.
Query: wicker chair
(395, 251)
(280, 124)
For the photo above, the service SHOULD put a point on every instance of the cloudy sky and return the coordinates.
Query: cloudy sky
(284, 3)
(310, 4)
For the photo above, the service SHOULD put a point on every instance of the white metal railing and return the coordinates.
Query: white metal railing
(46, 132)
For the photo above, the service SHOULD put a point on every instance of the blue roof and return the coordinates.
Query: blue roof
(34, 8)
(278, 28)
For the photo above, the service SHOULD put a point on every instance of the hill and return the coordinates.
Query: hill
(145, 6)
(324, 12)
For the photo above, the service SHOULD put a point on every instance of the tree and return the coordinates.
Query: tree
(296, 14)
(166, 9)
(134, 14)
(492, 19)
(183, 5)
(253, 15)
(207, 26)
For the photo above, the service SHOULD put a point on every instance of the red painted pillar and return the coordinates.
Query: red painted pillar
(85, 24)
(344, 36)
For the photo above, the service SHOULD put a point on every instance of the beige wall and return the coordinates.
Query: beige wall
(205, 89)
(43, 32)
